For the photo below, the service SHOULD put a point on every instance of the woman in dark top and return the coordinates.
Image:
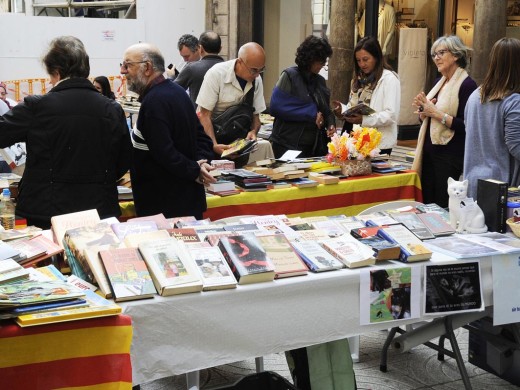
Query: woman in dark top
(440, 147)
(300, 103)
(102, 84)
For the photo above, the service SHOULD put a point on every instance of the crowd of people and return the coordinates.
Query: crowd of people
(75, 158)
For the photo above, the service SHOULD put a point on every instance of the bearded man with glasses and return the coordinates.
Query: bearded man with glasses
(227, 84)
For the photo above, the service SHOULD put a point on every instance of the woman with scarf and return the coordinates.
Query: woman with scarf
(300, 103)
(375, 84)
(440, 145)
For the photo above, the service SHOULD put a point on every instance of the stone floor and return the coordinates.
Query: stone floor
(417, 369)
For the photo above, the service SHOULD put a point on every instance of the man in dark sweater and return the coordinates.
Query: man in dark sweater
(170, 147)
(192, 74)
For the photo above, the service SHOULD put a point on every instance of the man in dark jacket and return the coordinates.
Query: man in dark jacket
(170, 147)
(192, 74)
(77, 140)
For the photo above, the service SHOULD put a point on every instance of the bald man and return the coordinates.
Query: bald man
(170, 147)
(226, 84)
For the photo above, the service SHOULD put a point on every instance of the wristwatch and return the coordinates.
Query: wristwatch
(443, 121)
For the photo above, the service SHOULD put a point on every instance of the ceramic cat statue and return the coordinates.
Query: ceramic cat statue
(465, 214)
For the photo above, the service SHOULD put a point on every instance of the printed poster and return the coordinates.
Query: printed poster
(453, 288)
(391, 294)
(506, 294)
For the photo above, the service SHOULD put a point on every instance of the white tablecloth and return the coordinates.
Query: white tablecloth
(175, 335)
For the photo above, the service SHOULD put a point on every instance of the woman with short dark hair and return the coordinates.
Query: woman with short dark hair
(300, 103)
(78, 144)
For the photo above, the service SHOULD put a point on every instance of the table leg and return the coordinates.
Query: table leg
(259, 362)
(354, 348)
(193, 380)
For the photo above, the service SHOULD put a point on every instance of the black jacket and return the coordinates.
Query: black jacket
(78, 145)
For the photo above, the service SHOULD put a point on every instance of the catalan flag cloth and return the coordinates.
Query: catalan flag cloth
(349, 197)
(85, 354)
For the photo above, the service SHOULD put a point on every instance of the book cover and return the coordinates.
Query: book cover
(414, 224)
(309, 235)
(247, 259)
(453, 288)
(91, 236)
(133, 240)
(128, 274)
(221, 186)
(214, 238)
(323, 178)
(159, 219)
(29, 248)
(436, 224)
(456, 246)
(213, 268)
(48, 272)
(43, 307)
(11, 271)
(269, 223)
(121, 230)
(239, 146)
(240, 227)
(286, 261)
(51, 249)
(412, 248)
(27, 293)
(358, 109)
(492, 199)
(188, 235)
(349, 251)
(333, 228)
(315, 257)
(7, 251)
(172, 269)
(383, 249)
(303, 182)
(434, 208)
(63, 222)
(97, 307)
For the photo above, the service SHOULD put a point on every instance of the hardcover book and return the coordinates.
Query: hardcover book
(349, 251)
(78, 239)
(172, 269)
(97, 307)
(128, 274)
(492, 199)
(436, 224)
(247, 259)
(412, 248)
(358, 109)
(286, 261)
(383, 249)
(315, 257)
(213, 268)
(62, 223)
(414, 224)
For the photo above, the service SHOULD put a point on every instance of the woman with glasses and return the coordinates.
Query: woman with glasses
(300, 103)
(440, 145)
(376, 85)
(493, 120)
(77, 141)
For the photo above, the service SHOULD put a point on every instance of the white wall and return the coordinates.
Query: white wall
(160, 22)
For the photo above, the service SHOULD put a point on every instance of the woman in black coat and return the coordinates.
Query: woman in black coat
(78, 143)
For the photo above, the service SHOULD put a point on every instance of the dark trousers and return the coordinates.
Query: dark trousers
(436, 169)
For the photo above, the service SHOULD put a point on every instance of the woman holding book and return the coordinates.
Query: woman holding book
(440, 146)
(493, 120)
(300, 103)
(377, 86)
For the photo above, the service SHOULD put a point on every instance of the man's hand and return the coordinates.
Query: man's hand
(251, 135)
(355, 119)
(204, 176)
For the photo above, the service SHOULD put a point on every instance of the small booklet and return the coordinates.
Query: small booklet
(361, 109)
(240, 146)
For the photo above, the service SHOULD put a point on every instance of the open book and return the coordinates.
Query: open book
(361, 109)
(240, 146)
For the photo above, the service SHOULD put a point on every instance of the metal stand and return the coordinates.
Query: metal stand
(454, 353)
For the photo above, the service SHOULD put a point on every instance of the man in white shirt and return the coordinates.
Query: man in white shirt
(225, 85)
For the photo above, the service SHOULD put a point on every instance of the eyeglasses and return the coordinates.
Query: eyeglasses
(439, 53)
(125, 64)
(253, 71)
(3, 93)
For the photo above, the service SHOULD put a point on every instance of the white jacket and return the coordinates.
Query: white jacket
(386, 100)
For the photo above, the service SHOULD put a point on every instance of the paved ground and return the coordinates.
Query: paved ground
(418, 369)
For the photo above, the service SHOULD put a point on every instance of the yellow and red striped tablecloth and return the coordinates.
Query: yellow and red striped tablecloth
(349, 197)
(85, 354)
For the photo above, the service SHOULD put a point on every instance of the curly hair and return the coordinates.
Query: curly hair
(312, 49)
(188, 40)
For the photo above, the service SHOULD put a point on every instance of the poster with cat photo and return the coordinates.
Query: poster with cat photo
(390, 294)
(453, 288)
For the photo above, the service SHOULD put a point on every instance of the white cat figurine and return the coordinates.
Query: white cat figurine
(465, 214)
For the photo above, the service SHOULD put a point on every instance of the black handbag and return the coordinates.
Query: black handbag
(236, 121)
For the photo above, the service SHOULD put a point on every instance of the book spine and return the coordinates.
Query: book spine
(502, 208)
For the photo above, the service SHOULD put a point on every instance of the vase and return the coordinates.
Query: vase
(356, 167)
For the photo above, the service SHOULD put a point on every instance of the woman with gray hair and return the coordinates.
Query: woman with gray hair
(440, 146)
(78, 144)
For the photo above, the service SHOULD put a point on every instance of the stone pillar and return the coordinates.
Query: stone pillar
(341, 63)
(490, 26)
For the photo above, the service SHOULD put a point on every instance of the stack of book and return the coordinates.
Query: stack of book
(248, 180)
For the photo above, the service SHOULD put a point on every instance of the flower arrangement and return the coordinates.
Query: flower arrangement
(360, 144)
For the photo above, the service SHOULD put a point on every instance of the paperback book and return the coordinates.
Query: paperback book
(315, 257)
(28, 293)
(286, 261)
(349, 251)
(213, 268)
(412, 248)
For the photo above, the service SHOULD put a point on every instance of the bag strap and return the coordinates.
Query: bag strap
(249, 98)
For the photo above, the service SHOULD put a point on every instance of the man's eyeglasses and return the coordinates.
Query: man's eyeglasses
(439, 53)
(3, 93)
(253, 71)
(125, 64)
